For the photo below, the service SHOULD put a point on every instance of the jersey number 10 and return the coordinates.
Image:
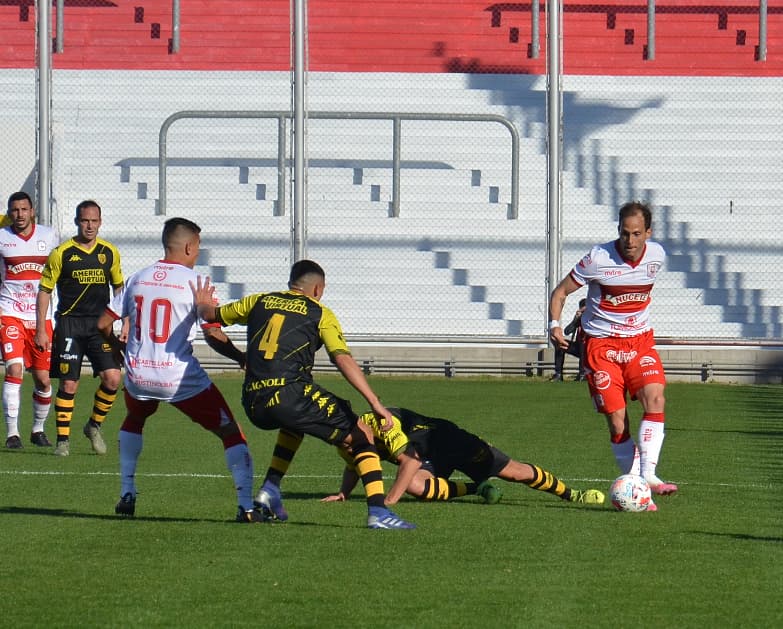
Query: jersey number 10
(159, 319)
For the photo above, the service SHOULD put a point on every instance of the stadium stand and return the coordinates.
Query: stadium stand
(453, 240)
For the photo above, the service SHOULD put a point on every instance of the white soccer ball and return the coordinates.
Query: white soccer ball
(630, 492)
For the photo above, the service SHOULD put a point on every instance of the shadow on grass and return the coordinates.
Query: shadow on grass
(66, 513)
(742, 537)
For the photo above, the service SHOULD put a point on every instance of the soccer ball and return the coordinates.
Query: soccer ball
(630, 492)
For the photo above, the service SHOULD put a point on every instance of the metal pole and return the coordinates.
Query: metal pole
(762, 56)
(396, 164)
(650, 30)
(299, 213)
(175, 25)
(282, 153)
(58, 45)
(44, 112)
(535, 38)
(554, 183)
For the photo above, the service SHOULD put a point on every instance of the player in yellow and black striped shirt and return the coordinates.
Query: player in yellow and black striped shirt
(83, 269)
(428, 450)
(284, 331)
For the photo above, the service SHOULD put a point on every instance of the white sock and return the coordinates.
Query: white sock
(12, 391)
(130, 449)
(240, 464)
(42, 400)
(627, 456)
(650, 444)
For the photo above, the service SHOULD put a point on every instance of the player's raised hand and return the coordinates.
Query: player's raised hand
(204, 298)
(203, 291)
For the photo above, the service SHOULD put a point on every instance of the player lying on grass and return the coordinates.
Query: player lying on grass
(428, 450)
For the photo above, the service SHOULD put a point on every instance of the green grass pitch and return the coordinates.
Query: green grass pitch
(712, 556)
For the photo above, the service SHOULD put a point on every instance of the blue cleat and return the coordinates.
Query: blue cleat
(269, 501)
(382, 518)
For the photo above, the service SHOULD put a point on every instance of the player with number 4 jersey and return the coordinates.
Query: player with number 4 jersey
(284, 331)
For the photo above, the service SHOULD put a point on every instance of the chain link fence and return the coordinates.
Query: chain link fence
(428, 214)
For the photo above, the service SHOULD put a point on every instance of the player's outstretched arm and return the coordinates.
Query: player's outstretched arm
(407, 470)
(216, 338)
(350, 478)
(355, 376)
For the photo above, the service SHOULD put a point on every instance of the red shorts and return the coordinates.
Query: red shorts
(619, 365)
(208, 408)
(17, 339)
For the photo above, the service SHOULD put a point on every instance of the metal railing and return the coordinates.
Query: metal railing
(282, 149)
(761, 51)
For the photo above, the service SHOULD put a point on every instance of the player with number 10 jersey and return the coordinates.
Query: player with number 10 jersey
(160, 364)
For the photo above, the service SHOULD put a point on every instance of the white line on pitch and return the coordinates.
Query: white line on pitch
(331, 476)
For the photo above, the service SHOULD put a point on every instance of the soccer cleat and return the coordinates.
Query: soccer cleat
(269, 501)
(63, 448)
(489, 492)
(382, 518)
(126, 507)
(14, 443)
(657, 486)
(651, 506)
(40, 439)
(93, 433)
(253, 516)
(588, 496)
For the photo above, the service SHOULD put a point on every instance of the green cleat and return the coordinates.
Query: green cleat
(588, 496)
(489, 492)
(63, 448)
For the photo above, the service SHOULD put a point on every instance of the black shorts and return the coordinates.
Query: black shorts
(74, 338)
(304, 408)
(456, 449)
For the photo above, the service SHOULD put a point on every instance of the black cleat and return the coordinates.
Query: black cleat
(254, 516)
(40, 439)
(14, 443)
(126, 506)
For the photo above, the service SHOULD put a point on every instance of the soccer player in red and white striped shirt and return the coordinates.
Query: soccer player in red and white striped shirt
(619, 353)
(24, 248)
(160, 365)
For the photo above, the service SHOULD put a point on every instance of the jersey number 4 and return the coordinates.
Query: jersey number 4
(269, 342)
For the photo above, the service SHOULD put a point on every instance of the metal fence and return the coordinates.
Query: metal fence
(433, 224)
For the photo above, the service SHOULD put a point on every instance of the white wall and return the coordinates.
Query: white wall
(705, 152)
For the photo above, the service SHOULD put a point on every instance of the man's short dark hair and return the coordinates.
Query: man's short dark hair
(302, 268)
(172, 224)
(19, 196)
(636, 207)
(84, 204)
